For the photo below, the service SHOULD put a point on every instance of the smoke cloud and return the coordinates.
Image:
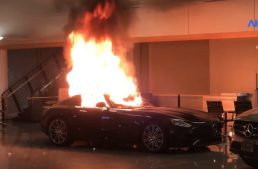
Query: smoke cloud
(115, 26)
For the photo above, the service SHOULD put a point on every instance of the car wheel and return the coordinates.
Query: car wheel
(59, 132)
(154, 138)
(250, 162)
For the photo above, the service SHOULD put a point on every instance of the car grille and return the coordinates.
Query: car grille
(246, 129)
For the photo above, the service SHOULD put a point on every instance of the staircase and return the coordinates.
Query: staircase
(38, 84)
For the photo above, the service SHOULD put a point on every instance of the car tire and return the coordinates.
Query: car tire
(59, 132)
(252, 163)
(154, 138)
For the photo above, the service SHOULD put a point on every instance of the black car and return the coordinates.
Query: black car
(155, 128)
(244, 139)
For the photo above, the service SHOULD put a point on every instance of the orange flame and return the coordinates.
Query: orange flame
(96, 70)
(104, 12)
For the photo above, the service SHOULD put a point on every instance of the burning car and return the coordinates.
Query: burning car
(155, 128)
(109, 107)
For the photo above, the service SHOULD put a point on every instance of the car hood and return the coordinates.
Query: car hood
(179, 113)
(250, 115)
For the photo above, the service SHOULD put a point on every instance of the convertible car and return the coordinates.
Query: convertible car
(154, 128)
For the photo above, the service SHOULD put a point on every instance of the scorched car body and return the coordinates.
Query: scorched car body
(156, 128)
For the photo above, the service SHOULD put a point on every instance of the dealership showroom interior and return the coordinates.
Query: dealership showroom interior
(128, 84)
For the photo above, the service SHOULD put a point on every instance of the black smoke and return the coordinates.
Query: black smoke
(115, 26)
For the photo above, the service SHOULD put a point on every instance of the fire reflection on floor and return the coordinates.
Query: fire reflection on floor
(24, 146)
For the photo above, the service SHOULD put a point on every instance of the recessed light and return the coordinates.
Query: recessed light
(1, 37)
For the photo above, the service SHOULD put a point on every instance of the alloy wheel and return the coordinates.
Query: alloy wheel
(58, 132)
(153, 137)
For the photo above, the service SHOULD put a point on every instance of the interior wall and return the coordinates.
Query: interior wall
(141, 63)
(156, 20)
(179, 68)
(3, 72)
(233, 66)
(23, 61)
(189, 17)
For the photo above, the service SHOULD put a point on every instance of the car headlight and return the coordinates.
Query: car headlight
(180, 123)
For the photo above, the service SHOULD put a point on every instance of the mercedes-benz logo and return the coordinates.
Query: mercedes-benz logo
(248, 130)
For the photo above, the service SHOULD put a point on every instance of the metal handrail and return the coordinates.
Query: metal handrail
(33, 70)
(5, 96)
(3, 112)
(23, 84)
(52, 81)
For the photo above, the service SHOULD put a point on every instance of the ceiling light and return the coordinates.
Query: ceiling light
(1, 37)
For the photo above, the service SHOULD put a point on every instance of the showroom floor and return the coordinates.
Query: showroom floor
(24, 146)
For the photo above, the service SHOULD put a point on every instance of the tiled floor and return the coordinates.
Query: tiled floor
(24, 146)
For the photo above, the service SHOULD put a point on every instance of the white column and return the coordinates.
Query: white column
(3, 72)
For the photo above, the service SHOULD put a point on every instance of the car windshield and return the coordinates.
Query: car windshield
(75, 101)
(145, 103)
(71, 101)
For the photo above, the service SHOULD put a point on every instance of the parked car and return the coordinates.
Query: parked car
(155, 128)
(244, 141)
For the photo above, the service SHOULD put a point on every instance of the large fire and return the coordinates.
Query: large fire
(96, 71)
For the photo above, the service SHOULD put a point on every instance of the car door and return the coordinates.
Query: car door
(116, 126)
(110, 125)
(89, 122)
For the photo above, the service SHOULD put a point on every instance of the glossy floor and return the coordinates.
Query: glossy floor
(24, 146)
